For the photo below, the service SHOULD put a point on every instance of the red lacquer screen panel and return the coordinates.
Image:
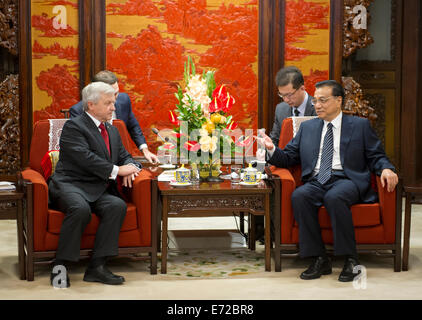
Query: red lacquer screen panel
(55, 57)
(307, 39)
(149, 41)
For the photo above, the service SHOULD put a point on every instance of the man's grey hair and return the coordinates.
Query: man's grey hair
(93, 92)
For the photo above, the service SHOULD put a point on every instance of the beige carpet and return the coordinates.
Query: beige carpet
(381, 282)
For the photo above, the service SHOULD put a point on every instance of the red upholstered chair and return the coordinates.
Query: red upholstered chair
(377, 225)
(42, 226)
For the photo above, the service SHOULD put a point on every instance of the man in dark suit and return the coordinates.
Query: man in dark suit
(337, 154)
(296, 101)
(91, 157)
(123, 112)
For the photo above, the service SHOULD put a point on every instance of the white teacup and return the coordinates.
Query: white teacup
(182, 175)
(251, 175)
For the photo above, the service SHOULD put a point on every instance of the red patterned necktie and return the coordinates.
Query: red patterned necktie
(104, 134)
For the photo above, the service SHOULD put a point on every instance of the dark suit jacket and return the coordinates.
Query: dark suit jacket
(283, 111)
(361, 152)
(123, 112)
(84, 164)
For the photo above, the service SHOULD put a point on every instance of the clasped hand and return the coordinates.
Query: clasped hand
(129, 172)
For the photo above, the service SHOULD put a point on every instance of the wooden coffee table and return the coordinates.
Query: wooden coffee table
(213, 200)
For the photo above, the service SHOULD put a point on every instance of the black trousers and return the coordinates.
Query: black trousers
(337, 195)
(111, 211)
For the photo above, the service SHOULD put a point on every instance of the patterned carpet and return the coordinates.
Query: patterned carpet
(213, 263)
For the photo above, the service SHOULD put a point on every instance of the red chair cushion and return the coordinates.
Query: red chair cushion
(364, 215)
(55, 220)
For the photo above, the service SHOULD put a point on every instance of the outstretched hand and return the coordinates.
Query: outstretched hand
(266, 141)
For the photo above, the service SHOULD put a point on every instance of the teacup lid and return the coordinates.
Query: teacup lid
(182, 168)
(250, 168)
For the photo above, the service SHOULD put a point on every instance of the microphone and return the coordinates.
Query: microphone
(159, 135)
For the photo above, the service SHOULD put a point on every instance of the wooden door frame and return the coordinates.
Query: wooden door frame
(25, 79)
(92, 39)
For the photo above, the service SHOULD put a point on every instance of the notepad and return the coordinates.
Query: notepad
(7, 186)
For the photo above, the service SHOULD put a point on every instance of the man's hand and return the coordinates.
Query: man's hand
(152, 158)
(266, 141)
(390, 178)
(127, 169)
(129, 173)
(127, 180)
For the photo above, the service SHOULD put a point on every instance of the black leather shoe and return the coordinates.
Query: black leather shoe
(320, 266)
(347, 274)
(103, 275)
(56, 280)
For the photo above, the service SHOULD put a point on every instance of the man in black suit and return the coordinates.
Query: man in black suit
(123, 112)
(296, 101)
(91, 157)
(337, 154)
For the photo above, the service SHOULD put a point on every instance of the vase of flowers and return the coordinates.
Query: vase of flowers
(202, 126)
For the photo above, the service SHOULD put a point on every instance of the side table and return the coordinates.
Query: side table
(411, 192)
(22, 199)
(212, 200)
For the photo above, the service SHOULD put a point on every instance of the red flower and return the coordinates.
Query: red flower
(173, 119)
(222, 100)
(232, 125)
(245, 141)
(168, 146)
(192, 146)
(229, 102)
(220, 92)
(177, 134)
(216, 105)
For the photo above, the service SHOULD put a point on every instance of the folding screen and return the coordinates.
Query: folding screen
(307, 39)
(55, 57)
(149, 41)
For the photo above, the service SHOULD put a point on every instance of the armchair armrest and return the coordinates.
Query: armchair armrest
(288, 185)
(141, 198)
(388, 207)
(40, 205)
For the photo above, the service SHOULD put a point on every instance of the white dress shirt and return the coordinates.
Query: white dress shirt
(115, 170)
(336, 165)
(302, 107)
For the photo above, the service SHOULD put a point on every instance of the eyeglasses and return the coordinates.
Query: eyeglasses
(322, 100)
(288, 96)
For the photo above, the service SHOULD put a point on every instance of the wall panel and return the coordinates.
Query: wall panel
(148, 42)
(55, 57)
(307, 39)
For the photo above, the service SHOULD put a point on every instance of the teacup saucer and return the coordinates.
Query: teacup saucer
(167, 166)
(178, 184)
(243, 183)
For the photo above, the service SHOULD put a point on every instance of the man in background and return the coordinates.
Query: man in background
(296, 101)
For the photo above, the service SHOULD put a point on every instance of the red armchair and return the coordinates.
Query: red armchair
(377, 225)
(41, 225)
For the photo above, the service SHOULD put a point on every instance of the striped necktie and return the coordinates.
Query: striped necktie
(326, 156)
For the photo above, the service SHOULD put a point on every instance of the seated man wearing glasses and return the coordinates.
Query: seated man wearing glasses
(296, 101)
(337, 154)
